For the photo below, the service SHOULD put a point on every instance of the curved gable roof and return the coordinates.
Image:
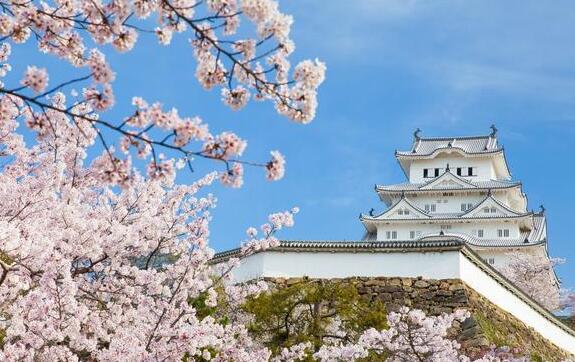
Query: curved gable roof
(403, 202)
(469, 145)
(447, 176)
(490, 201)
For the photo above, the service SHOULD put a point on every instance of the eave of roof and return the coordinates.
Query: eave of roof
(479, 186)
(331, 245)
(410, 155)
(468, 144)
(367, 218)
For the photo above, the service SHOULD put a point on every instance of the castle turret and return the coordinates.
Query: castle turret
(462, 187)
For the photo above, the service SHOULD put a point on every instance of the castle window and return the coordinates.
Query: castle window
(391, 235)
(431, 172)
(430, 207)
(412, 234)
(400, 212)
(471, 171)
(490, 261)
(459, 171)
(493, 210)
(465, 207)
(448, 194)
(480, 233)
(445, 227)
(503, 233)
(406, 212)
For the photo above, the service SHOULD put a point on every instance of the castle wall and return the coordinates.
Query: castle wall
(483, 167)
(428, 264)
(273, 264)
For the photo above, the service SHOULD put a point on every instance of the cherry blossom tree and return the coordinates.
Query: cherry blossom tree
(99, 260)
(411, 336)
(251, 67)
(535, 276)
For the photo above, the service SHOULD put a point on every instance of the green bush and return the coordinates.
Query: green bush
(308, 310)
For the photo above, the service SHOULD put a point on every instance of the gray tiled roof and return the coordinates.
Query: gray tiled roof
(471, 145)
(427, 241)
(447, 216)
(442, 242)
(535, 236)
(406, 186)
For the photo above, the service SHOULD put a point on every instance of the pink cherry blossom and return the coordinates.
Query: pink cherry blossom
(101, 254)
(36, 79)
(535, 276)
(236, 98)
(276, 167)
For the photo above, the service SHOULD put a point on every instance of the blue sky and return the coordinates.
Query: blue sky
(447, 67)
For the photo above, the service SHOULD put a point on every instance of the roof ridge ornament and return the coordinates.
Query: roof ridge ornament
(542, 209)
(493, 130)
(416, 134)
(371, 211)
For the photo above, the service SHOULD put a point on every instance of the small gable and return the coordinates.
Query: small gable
(447, 181)
(403, 209)
(490, 207)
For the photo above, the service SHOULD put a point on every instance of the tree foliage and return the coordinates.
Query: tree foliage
(313, 311)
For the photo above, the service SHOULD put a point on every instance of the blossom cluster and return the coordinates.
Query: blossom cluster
(277, 222)
(534, 275)
(412, 336)
(94, 272)
(256, 66)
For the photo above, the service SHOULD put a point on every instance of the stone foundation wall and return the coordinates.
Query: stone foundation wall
(487, 325)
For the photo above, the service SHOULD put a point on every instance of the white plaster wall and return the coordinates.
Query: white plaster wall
(449, 204)
(484, 165)
(250, 268)
(485, 285)
(508, 197)
(489, 228)
(500, 255)
(432, 265)
(453, 203)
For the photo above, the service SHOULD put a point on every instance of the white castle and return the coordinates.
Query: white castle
(458, 217)
(460, 187)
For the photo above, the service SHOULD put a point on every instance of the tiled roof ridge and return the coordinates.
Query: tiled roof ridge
(457, 138)
(426, 242)
(479, 185)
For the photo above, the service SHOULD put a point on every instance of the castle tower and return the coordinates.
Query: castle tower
(457, 218)
(460, 187)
